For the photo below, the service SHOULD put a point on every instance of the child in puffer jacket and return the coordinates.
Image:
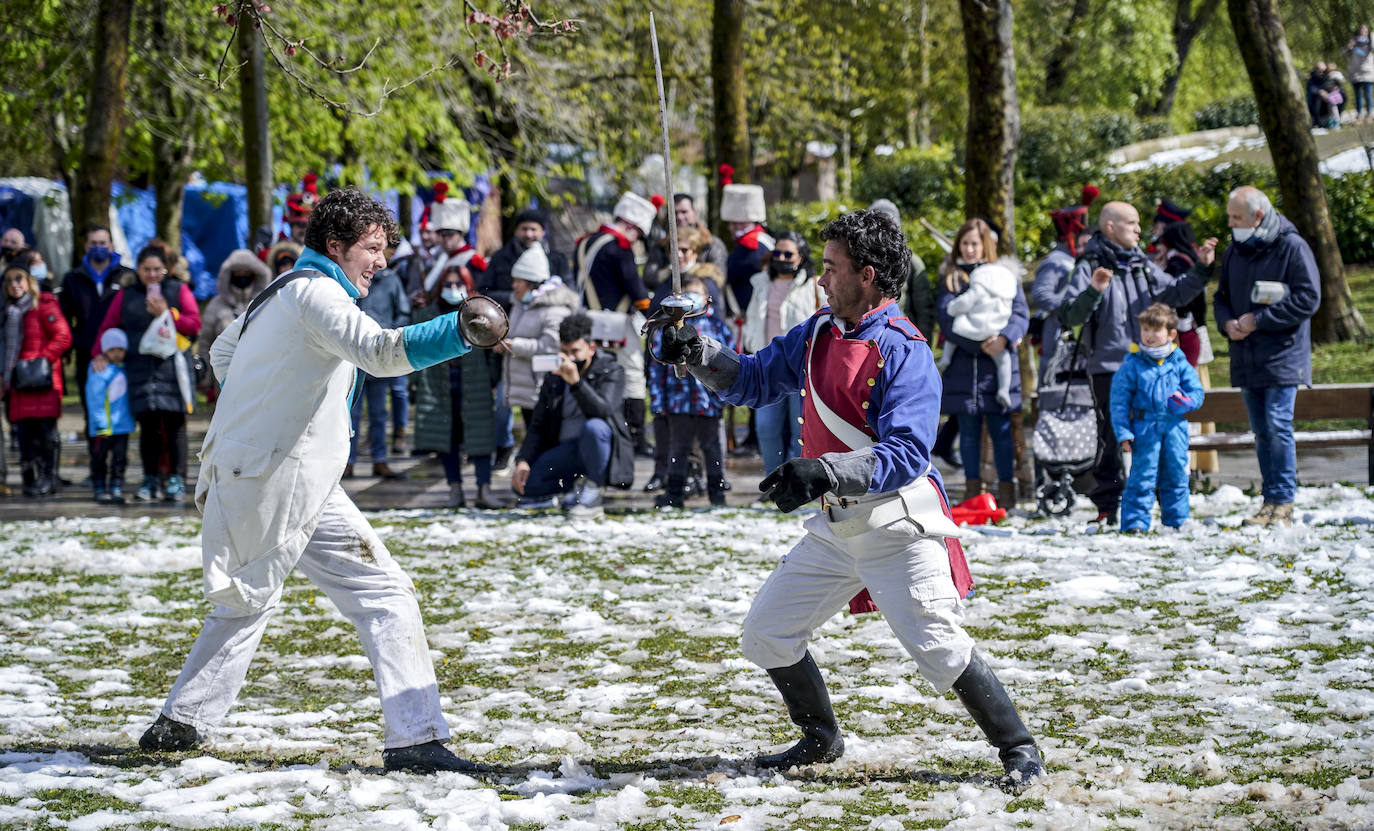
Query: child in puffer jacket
(111, 421)
(1151, 393)
(693, 411)
(980, 312)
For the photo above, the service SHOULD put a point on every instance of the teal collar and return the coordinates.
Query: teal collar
(310, 258)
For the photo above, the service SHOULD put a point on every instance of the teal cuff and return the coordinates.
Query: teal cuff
(434, 341)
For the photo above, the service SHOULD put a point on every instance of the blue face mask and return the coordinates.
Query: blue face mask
(98, 253)
(698, 300)
(1157, 353)
(39, 272)
(453, 295)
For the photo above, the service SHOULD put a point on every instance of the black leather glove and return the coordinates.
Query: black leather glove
(796, 482)
(680, 345)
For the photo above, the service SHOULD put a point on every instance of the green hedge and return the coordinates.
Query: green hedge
(1240, 111)
(1067, 146)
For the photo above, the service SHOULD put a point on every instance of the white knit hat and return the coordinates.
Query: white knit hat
(114, 339)
(532, 266)
(637, 211)
(742, 203)
(450, 215)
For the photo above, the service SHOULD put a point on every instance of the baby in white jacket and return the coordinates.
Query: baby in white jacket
(983, 310)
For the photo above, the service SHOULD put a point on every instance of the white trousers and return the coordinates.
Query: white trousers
(348, 561)
(907, 575)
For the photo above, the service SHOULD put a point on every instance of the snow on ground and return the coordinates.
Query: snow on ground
(1214, 677)
(1197, 153)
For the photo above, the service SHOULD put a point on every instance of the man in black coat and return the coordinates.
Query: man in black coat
(531, 228)
(86, 294)
(577, 442)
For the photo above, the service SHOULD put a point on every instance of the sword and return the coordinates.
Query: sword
(674, 308)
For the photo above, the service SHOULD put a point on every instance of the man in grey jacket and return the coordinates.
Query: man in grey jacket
(1113, 282)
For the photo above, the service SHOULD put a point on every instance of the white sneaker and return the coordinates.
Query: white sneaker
(588, 505)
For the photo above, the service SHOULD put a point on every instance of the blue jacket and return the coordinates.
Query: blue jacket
(1111, 316)
(1143, 391)
(107, 402)
(1279, 352)
(970, 384)
(904, 407)
(685, 396)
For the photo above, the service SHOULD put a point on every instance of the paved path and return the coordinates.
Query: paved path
(425, 486)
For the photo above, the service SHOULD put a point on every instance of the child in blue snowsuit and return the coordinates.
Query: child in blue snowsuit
(111, 421)
(1151, 392)
(693, 411)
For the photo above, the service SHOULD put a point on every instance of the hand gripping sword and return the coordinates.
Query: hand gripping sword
(676, 307)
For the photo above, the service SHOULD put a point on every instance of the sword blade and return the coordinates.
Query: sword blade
(667, 163)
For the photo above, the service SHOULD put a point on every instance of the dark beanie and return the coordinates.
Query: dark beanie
(533, 215)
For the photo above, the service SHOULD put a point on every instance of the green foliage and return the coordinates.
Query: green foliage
(918, 180)
(1064, 146)
(1237, 111)
(1203, 189)
(1350, 199)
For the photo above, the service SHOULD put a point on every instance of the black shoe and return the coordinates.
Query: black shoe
(808, 704)
(169, 736)
(655, 483)
(502, 459)
(717, 498)
(987, 701)
(430, 757)
(669, 500)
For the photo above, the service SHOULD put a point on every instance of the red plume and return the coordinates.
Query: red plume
(1090, 192)
(440, 191)
(310, 180)
(658, 200)
(727, 174)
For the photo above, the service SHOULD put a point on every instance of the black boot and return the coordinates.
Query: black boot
(808, 704)
(987, 701)
(672, 496)
(28, 473)
(430, 757)
(168, 735)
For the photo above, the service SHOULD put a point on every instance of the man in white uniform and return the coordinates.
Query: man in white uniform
(269, 486)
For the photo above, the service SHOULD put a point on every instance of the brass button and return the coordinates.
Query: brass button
(880, 363)
(864, 405)
(873, 344)
(801, 420)
(803, 392)
(872, 381)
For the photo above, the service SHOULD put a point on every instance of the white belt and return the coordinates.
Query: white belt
(919, 502)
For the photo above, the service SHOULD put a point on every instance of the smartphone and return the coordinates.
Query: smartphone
(155, 290)
(546, 363)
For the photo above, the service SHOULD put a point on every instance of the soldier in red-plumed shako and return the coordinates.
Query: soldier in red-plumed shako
(871, 398)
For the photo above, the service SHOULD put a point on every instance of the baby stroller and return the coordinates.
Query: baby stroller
(1065, 437)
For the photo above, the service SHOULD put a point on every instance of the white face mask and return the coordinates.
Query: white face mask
(1157, 353)
(1242, 234)
(39, 272)
(453, 295)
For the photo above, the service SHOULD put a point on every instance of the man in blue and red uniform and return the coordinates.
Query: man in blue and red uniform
(871, 398)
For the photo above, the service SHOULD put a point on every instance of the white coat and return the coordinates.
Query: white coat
(799, 305)
(984, 308)
(278, 441)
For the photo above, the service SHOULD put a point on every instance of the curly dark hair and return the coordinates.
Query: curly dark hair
(575, 327)
(872, 238)
(345, 215)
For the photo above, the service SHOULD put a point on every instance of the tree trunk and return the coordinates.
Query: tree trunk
(1187, 26)
(994, 118)
(923, 106)
(730, 119)
(257, 148)
(174, 127)
(1283, 116)
(104, 106)
(1061, 58)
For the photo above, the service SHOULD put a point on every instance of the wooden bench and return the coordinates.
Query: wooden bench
(1322, 402)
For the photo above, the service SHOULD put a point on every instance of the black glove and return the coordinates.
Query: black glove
(796, 482)
(680, 345)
